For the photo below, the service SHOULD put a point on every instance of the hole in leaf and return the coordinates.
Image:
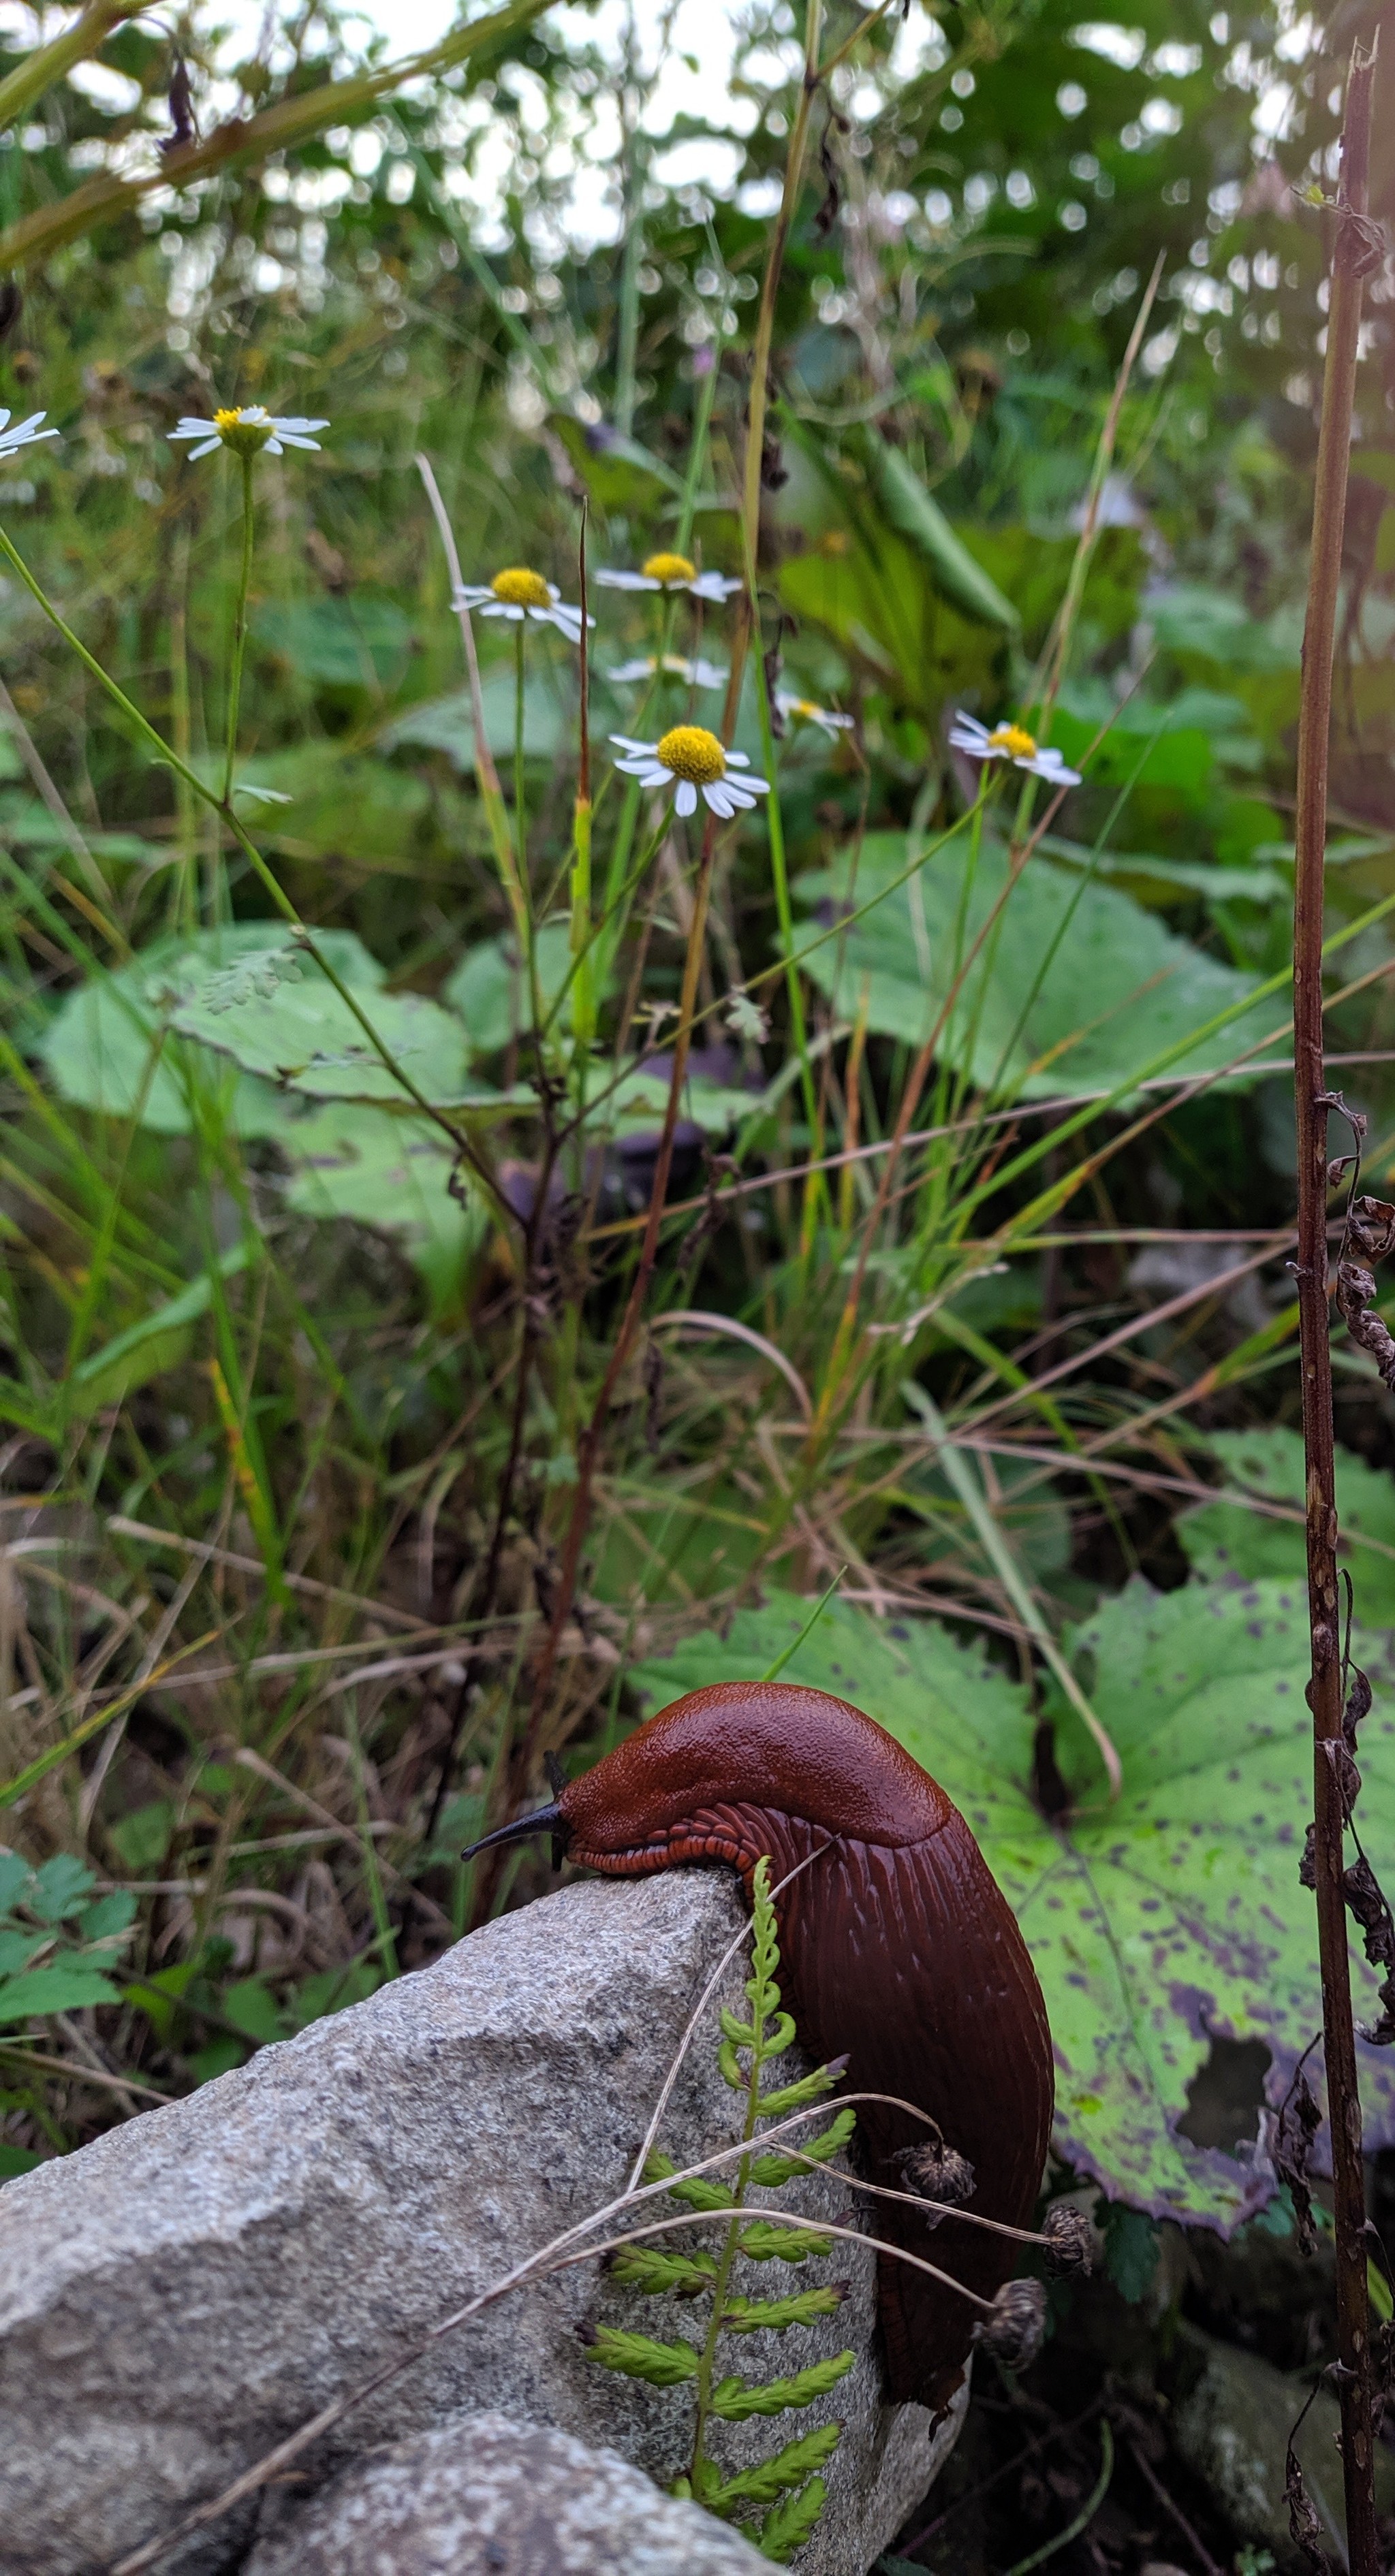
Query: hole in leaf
(1226, 2095)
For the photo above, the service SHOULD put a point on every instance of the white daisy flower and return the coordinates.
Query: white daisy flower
(247, 431)
(672, 572)
(689, 757)
(1011, 742)
(517, 593)
(674, 666)
(24, 434)
(804, 711)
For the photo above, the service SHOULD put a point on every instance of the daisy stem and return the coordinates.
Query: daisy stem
(463, 1143)
(520, 833)
(239, 636)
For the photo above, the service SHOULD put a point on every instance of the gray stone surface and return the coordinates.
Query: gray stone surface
(484, 2497)
(178, 2296)
(1232, 2430)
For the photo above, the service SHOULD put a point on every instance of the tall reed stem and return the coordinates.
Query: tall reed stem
(1312, 1101)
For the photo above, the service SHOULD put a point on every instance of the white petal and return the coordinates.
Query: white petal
(625, 581)
(685, 802)
(274, 447)
(737, 760)
(654, 774)
(628, 743)
(312, 445)
(206, 450)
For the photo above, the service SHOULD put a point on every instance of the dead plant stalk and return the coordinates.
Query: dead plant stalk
(1312, 1101)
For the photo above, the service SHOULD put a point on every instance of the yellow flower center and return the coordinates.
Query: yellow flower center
(244, 437)
(519, 588)
(690, 751)
(669, 569)
(805, 707)
(1014, 739)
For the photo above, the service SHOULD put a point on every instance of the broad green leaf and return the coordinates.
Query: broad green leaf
(338, 805)
(1230, 1538)
(17, 2160)
(58, 1889)
(18, 1948)
(909, 509)
(141, 1838)
(252, 2009)
(1157, 1923)
(447, 724)
(618, 473)
(277, 1016)
(55, 1988)
(392, 1173)
(1076, 988)
(15, 1875)
(153, 1343)
(353, 643)
(490, 987)
(97, 1047)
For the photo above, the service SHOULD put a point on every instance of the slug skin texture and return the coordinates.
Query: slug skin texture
(898, 1950)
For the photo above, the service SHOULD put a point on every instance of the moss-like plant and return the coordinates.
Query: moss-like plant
(777, 2501)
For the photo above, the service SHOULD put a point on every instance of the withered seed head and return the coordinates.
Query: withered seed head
(1067, 2240)
(1013, 2334)
(937, 2172)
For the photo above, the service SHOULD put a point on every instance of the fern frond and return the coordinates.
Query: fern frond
(787, 2525)
(776, 2316)
(664, 2365)
(792, 2097)
(768, 2244)
(737, 2399)
(646, 2268)
(773, 2170)
(768, 2480)
(696, 2194)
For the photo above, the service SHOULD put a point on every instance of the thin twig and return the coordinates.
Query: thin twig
(1312, 1101)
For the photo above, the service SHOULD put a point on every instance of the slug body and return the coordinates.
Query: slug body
(897, 1949)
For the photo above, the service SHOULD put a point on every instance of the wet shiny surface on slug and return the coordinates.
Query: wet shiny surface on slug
(898, 1950)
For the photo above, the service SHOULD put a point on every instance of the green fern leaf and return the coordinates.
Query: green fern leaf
(787, 2525)
(773, 2170)
(664, 2365)
(696, 2194)
(737, 2399)
(646, 2268)
(776, 2316)
(740, 2032)
(766, 2243)
(792, 2097)
(767, 2481)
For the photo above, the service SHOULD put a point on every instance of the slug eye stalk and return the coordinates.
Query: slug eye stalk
(543, 1820)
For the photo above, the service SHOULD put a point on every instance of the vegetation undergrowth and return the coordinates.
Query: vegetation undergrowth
(493, 1222)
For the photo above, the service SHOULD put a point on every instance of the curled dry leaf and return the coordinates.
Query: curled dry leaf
(1370, 1236)
(1014, 2332)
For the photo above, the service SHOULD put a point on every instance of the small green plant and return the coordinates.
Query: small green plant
(58, 1943)
(775, 2502)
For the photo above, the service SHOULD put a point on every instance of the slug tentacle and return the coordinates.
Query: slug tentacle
(899, 1952)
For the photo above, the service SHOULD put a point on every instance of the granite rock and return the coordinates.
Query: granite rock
(180, 2295)
(481, 2496)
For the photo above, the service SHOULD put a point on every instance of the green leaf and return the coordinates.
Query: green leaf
(141, 1839)
(490, 987)
(58, 1889)
(697, 2194)
(618, 473)
(1131, 2249)
(648, 2268)
(1230, 1538)
(18, 1948)
(663, 2365)
(773, 2170)
(1154, 1924)
(391, 1173)
(769, 2479)
(15, 1875)
(331, 1990)
(736, 2400)
(56, 1988)
(303, 1035)
(792, 2097)
(252, 2009)
(909, 509)
(1077, 988)
(766, 2242)
(98, 1045)
(776, 2316)
(447, 724)
(17, 2160)
(354, 643)
(111, 1916)
(787, 2526)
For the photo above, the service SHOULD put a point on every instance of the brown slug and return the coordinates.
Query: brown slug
(899, 1951)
